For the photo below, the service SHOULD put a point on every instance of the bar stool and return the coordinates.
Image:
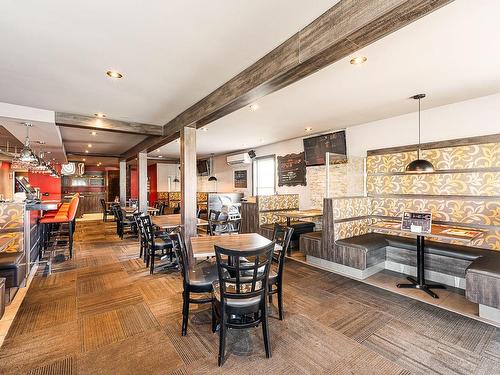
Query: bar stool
(63, 216)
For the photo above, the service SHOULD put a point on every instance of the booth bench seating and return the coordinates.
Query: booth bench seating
(259, 214)
(346, 245)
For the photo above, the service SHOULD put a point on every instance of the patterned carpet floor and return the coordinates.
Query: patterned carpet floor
(102, 313)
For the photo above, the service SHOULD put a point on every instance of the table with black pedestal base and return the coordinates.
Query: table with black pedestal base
(437, 231)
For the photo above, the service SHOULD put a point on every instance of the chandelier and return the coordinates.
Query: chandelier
(28, 160)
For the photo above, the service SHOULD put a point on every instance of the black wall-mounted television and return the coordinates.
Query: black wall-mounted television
(315, 148)
(202, 167)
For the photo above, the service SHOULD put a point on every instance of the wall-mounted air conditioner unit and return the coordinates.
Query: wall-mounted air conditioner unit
(239, 159)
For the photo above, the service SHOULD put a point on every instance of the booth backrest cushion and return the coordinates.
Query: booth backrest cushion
(463, 191)
(269, 205)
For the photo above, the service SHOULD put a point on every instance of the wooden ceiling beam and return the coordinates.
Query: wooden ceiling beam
(340, 31)
(104, 124)
(343, 29)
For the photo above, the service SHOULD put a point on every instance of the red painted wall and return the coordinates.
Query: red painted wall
(153, 187)
(46, 184)
(134, 184)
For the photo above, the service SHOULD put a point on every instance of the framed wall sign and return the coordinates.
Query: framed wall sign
(417, 222)
(240, 179)
(292, 170)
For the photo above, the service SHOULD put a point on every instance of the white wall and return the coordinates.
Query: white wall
(166, 172)
(475, 117)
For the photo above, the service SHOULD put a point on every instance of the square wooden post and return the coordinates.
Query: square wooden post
(142, 176)
(188, 183)
(123, 182)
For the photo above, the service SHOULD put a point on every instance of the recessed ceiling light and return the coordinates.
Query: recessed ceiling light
(89, 145)
(204, 129)
(358, 60)
(101, 115)
(83, 159)
(308, 129)
(86, 151)
(160, 156)
(93, 133)
(48, 152)
(114, 74)
(254, 107)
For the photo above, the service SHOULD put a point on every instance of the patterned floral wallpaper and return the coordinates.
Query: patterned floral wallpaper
(471, 184)
(351, 228)
(344, 208)
(11, 216)
(11, 225)
(466, 192)
(460, 157)
(278, 202)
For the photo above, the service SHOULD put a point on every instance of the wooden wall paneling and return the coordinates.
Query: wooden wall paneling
(249, 217)
(328, 234)
(113, 185)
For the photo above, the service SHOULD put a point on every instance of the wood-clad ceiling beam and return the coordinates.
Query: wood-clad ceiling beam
(343, 29)
(94, 123)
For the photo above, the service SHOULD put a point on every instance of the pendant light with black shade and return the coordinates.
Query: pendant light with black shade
(419, 165)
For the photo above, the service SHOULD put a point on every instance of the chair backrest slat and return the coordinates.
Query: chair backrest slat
(233, 267)
(180, 253)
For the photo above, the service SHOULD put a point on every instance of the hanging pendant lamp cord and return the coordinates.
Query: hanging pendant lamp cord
(418, 149)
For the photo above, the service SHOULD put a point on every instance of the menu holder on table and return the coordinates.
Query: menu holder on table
(417, 222)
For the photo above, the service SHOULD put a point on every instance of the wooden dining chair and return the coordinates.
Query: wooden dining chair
(155, 244)
(282, 237)
(196, 279)
(239, 298)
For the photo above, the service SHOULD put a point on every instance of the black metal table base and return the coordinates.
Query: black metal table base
(419, 282)
(425, 287)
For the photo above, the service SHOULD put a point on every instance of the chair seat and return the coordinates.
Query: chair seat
(237, 302)
(203, 276)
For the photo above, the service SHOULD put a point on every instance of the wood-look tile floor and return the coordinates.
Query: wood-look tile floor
(102, 313)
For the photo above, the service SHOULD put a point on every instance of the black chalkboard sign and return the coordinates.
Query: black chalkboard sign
(291, 170)
(315, 148)
(240, 179)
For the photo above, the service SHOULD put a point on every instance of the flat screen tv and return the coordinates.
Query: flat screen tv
(315, 148)
(202, 167)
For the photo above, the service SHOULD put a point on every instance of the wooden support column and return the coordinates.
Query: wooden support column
(188, 183)
(123, 182)
(142, 177)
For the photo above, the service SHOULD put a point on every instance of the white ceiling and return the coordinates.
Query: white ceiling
(109, 143)
(451, 55)
(172, 53)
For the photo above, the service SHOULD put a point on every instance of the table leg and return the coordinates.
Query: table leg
(420, 283)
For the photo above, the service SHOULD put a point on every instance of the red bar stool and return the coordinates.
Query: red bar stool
(65, 214)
